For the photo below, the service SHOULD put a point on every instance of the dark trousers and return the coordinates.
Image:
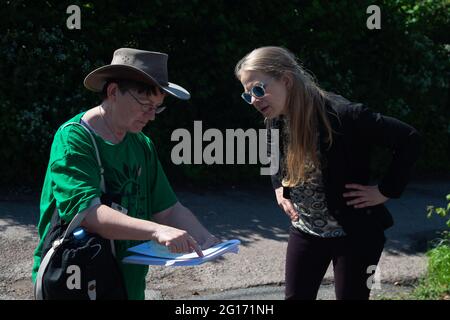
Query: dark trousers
(354, 261)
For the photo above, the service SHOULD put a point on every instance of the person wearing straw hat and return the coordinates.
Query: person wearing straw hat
(133, 88)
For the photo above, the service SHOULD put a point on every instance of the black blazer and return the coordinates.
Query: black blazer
(356, 131)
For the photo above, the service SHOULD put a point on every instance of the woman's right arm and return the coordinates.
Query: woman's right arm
(286, 204)
(112, 224)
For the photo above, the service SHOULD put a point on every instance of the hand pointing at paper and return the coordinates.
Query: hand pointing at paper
(189, 235)
(176, 240)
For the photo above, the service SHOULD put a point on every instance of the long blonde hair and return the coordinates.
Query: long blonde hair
(305, 107)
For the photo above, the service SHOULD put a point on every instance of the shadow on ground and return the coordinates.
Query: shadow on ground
(250, 214)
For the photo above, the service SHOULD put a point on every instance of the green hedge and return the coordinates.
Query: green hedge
(401, 70)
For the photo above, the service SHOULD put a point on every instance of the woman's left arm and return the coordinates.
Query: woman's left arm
(404, 142)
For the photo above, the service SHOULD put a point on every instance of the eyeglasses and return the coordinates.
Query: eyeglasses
(147, 106)
(257, 91)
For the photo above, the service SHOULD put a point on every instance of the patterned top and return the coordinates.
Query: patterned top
(308, 198)
(310, 202)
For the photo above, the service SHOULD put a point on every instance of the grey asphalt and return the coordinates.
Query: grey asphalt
(251, 215)
(258, 271)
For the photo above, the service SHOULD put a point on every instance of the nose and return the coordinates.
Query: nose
(255, 101)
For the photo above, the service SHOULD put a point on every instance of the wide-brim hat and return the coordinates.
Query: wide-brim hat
(138, 65)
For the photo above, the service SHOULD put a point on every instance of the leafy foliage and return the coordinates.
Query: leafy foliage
(401, 70)
(436, 284)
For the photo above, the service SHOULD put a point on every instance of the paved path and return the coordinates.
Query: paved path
(251, 215)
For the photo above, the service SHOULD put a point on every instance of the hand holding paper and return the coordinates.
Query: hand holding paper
(151, 253)
(177, 240)
(209, 242)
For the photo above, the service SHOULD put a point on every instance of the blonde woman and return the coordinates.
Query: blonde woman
(323, 184)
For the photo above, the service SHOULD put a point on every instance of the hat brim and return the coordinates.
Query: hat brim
(95, 80)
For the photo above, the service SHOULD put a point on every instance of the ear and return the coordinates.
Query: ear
(112, 90)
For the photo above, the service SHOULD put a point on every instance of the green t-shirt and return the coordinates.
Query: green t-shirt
(72, 181)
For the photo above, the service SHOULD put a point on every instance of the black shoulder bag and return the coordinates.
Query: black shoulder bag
(73, 269)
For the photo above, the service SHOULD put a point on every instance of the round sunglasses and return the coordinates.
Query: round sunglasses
(257, 91)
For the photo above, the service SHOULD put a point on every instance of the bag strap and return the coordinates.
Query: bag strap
(97, 154)
(80, 216)
(37, 288)
(76, 221)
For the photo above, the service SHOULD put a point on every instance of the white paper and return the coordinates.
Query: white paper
(151, 253)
